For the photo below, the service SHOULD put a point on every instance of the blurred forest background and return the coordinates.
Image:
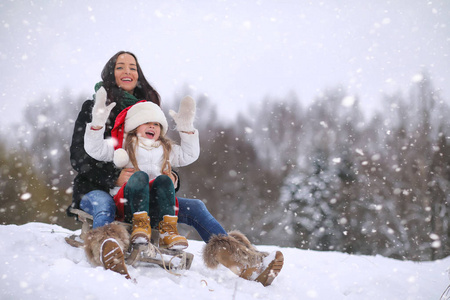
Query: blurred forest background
(324, 176)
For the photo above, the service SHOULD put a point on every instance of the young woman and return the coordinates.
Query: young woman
(126, 85)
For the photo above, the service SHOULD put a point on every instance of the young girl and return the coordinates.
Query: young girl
(141, 130)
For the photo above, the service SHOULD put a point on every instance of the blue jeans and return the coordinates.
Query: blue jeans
(100, 205)
(193, 212)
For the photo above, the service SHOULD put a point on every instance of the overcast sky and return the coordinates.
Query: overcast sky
(236, 52)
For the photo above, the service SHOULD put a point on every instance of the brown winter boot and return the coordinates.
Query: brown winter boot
(112, 257)
(141, 228)
(168, 234)
(105, 245)
(237, 254)
(267, 270)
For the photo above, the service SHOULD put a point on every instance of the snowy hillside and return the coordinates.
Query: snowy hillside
(36, 263)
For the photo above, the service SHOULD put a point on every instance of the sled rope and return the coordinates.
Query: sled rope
(206, 284)
(164, 263)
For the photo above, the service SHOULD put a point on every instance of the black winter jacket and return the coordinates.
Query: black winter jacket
(92, 174)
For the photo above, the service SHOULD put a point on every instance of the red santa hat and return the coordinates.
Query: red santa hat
(130, 118)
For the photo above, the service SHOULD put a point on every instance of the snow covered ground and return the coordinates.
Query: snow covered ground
(36, 263)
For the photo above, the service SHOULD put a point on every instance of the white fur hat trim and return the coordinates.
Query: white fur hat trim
(144, 112)
(121, 158)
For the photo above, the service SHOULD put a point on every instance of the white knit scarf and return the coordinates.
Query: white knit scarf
(148, 144)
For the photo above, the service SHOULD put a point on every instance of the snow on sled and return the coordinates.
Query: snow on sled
(165, 258)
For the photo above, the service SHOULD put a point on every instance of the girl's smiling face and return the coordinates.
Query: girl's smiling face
(151, 130)
(126, 73)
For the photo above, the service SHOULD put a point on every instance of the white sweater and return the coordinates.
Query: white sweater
(149, 154)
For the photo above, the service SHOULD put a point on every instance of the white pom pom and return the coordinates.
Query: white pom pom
(121, 158)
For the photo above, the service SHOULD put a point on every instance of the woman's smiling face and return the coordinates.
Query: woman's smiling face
(151, 130)
(126, 73)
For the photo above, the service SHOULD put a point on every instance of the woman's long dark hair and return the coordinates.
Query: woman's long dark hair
(143, 90)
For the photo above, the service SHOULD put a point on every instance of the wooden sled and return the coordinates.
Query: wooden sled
(179, 259)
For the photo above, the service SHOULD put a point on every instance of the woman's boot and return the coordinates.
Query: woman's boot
(106, 245)
(237, 254)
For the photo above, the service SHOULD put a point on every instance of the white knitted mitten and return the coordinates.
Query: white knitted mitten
(101, 111)
(184, 119)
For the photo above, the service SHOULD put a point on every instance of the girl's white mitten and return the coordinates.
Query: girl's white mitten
(101, 111)
(184, 119)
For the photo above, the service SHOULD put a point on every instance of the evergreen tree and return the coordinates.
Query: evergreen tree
(310, 199)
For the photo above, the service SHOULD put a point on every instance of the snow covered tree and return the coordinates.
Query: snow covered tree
(310, 198)
(439, 188)
(407, 176)
(276, 132)
(317, 195)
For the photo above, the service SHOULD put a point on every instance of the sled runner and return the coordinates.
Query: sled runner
(446, 294)
(179, 259)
